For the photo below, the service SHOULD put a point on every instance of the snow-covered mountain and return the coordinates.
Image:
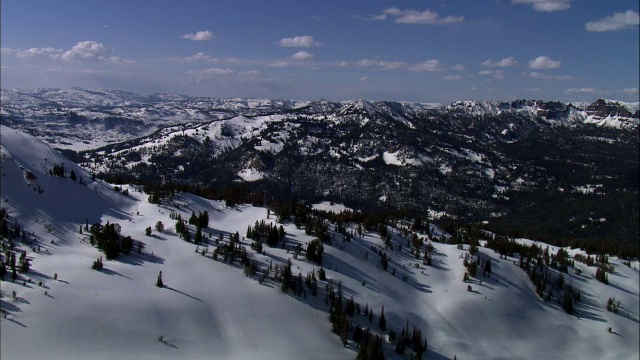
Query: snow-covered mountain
(503, 162)
(209, 308)
(82, 119)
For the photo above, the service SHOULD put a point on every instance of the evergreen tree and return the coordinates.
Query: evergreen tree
(322, 274)
(97, 265)
(159, 282)
(198, 236)
(383, 322)
(286, 277)
(315, 250)
(193, 220)
(384, 261)
(3, 270)
(349, 309)
(127, 244)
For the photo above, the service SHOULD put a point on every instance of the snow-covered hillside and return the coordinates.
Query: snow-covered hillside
(210, 309)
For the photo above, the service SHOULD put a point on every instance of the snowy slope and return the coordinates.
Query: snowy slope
(209, 309)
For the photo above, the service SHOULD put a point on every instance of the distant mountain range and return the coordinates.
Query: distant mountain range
(550, 169)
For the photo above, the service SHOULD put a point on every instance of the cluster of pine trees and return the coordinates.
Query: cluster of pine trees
(268, 232)
(107, 239)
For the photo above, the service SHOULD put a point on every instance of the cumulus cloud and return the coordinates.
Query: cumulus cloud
(302, 55)
(544, 62)
(84, 51)
(452, 77)
(496, 74)
(539, 75)
(458, 67)
(615, 22)
(531, 89)
(365, 78)
(546, 5)
(205, 35)
(428, 65)
(305, 41)
(506, 62)
(91, 51)
(408, 16)
(87, 51)
(33, 53)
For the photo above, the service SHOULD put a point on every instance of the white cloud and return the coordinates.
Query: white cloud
(546, 5)
(496, 74)
(425, 66)
(119, 60)
(452, 77)
(205, 35)
(8, 51)
(631, 91)
(281, 63)
(539, 75)
(506, 62)
(198, 57)
(87, 51)
(302, 55)
(458, 67)
(417, 17)
(32, 53)
(387, 65)
(615, 22)
(428, 65)
(590, 91)
(544, 62)
(531, 89)
(305, 41)
(365, 78)
(84, 51)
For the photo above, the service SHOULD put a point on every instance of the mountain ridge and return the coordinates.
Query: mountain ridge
(473, 160)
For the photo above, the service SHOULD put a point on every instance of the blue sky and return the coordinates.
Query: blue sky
(424, 51)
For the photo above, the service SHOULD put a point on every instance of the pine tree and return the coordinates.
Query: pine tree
(198, 236)
(159, 282)
(383, 322)
(286, 277)
(322, 276)
(384, 261)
